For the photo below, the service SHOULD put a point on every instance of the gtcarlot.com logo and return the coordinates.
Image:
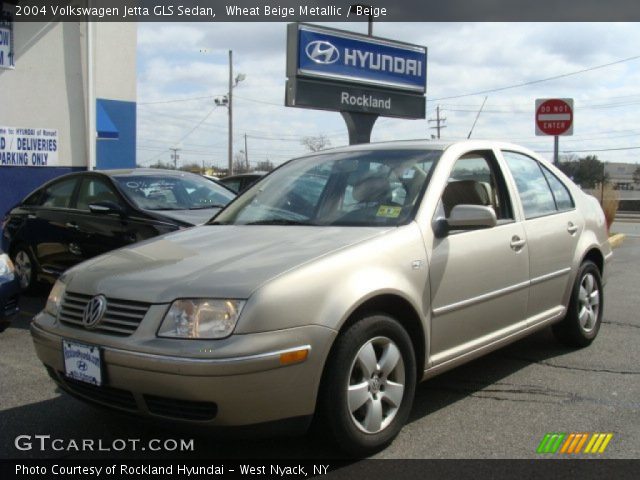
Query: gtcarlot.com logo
(574, 443)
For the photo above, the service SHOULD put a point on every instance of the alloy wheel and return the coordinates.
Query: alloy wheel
(589, 302)
(376, 385)
(23, 268)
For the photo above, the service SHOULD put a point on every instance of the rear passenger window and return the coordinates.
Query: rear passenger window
(59, 194)
(559, 190)
(535, 194)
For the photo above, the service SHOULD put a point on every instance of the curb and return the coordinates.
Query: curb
(616, 240)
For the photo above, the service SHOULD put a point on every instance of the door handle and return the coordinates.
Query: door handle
(517, 243)
(72, 225)
(32, 216)
(572, 228)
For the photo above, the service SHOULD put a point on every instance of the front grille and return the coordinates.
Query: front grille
(109, 396)
(183, 409)
(122, 317)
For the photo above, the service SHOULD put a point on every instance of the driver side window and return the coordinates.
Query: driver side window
(476, 179)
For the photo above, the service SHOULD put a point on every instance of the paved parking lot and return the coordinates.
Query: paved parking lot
(499, 406)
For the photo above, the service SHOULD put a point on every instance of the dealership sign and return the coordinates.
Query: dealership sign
(344, 56)
(336, 70)
(28, 147)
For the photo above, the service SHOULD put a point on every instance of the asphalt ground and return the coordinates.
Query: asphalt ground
(499, 406)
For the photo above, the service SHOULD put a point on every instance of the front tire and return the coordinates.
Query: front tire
(369, 385)
(582, 322)
(25, 268)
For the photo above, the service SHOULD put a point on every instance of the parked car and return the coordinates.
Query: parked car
(78, 216)
(239, 183)
(346, 278)
(9, 291)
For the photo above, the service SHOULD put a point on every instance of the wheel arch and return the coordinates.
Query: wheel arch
(403, 312)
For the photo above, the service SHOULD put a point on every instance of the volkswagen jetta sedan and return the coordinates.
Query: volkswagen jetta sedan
(331, 287)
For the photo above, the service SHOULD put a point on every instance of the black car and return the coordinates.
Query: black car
(81, 215)
(242, 181)
(9, 290)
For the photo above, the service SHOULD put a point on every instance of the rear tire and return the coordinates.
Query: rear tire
(369, 385)
(581, 324)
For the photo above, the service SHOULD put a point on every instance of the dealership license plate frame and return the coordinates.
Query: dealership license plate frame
(90, 370)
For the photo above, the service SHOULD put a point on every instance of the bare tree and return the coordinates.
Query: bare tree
(315, 144)
(636, 175)
(265, 166)
(240, 162)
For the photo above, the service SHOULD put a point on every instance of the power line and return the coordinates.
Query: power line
(178, 100)
(595, 150)
(533, 82)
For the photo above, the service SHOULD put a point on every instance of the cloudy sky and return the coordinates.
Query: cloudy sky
(182, 67)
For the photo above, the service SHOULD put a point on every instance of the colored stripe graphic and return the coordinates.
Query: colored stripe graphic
(598, 443)
(573, 443)
(550, 443)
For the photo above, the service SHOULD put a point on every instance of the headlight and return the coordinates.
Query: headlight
(55, 298)
(7, 270)
(201, 318)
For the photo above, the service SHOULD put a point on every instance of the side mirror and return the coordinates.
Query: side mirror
(465, 217)
(104, 207)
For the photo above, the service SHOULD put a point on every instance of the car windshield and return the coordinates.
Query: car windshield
(357, 188)
(172, 192)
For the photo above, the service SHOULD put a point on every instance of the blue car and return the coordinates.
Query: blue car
(9, 290)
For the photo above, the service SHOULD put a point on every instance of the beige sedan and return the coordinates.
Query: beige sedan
(331, 287)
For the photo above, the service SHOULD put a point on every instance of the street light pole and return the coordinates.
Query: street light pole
(230, 107)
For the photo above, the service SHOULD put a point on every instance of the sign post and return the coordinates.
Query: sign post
(554, 116)
(361, 77)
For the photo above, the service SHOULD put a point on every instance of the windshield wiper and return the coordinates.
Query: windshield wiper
(280, 221)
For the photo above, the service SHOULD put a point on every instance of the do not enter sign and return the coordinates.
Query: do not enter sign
(554, 116)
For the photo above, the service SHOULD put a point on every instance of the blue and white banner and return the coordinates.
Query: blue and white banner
(354, 58)
(28, 147)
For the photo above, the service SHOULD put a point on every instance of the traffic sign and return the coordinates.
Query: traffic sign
(554, 116)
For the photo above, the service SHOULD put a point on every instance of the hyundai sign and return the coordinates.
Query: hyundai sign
(343, 56)
(337, 70)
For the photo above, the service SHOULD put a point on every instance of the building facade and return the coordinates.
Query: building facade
(67, 101)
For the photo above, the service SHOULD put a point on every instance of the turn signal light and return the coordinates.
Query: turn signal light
(296, 356)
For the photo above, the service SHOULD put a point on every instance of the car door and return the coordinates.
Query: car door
(98, 233)
(478, 278)
(552, 227)
(47, 229)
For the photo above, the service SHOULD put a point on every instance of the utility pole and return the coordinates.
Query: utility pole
(246, 152)
(175, 157)
(439, 121)
(230, 107)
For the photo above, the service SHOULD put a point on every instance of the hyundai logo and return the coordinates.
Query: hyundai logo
(94, 311)
(321, 51)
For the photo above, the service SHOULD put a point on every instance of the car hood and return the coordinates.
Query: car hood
(222, 261)
(192, 217)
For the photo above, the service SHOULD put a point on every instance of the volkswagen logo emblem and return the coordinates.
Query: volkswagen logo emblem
(94, 311)
(321, 51)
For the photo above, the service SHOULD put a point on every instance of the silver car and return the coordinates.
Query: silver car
(331, 287)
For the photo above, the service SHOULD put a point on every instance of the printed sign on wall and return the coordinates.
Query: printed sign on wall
(28, 147)
(6, 41)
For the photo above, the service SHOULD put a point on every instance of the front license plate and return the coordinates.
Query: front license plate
(82, 362)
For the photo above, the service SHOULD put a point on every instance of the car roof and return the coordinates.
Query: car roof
(420, 144)
(143, 171)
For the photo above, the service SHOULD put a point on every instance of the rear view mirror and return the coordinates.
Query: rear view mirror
(105, 207)
(465, 217)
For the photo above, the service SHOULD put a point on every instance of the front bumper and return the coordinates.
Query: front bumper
(216, 390)
(9, 293)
